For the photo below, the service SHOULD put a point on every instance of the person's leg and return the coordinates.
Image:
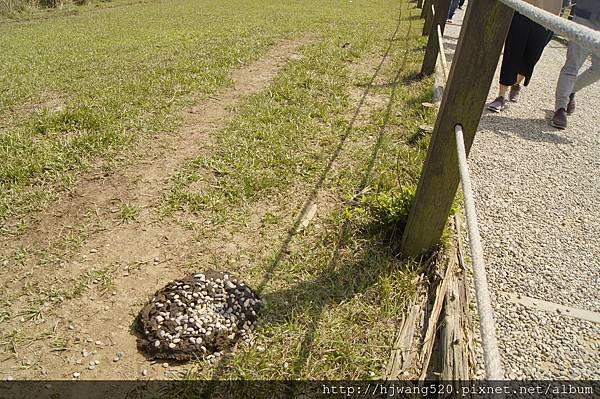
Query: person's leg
(461, 4)
(514, 46)
(511, 61)
(504, 88)
(569, 82)
(576, 56)
(536, 43)
(515, 90)
(590, 76)
(452, 10)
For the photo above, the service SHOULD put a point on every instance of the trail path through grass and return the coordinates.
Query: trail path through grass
(141, 184)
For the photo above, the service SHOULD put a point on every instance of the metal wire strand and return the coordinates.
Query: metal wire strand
(487, 324)
(442, 52)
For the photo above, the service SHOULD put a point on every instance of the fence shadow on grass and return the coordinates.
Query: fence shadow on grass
(337, 283)
(331, 274)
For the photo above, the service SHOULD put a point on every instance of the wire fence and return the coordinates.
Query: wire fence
(572, 31)
(442, 52)
(487, 324)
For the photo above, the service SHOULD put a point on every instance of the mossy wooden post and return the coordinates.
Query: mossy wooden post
(433, 45)
(426, 4)
(485, 27)
(429, 17)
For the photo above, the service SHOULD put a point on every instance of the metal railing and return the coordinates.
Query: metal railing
(442, 53)
(487, 324)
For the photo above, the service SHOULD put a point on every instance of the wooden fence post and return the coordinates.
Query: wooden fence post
(428, 16)
(426, 4)
(431, 52)
(483, 33)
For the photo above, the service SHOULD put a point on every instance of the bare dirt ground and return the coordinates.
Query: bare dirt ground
(138, 257)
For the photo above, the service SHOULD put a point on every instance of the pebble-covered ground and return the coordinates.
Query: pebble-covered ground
(538, 201)
(198, 316)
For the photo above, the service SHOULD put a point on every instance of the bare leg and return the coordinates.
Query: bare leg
(503, 89)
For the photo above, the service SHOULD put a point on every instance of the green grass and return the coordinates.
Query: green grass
(334, 293)
(120, 73)
(34, 313)
(334, 296)
(31, 10)
(288, 132)
(105, 280)
(258, 152)
(128, 212)
(13, 340)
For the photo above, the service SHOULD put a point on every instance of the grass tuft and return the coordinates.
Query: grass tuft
(128, 212)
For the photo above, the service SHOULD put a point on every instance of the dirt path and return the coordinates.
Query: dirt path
(139, 256)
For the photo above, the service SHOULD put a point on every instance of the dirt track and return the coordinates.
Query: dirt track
(143, 255)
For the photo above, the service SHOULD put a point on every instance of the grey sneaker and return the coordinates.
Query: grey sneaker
(559, 120)
(571, 104)
(497, 105)
(515, 90)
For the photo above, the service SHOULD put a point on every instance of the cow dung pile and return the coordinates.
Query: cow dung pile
(197, 316)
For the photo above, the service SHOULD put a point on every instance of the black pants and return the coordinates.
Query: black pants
(523, 48)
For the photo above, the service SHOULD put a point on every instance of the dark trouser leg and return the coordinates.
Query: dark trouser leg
(535, 44)
(453, 7)
(514, 49)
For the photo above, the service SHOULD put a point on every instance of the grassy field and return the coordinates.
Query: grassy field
(336, 130)
(77, 87)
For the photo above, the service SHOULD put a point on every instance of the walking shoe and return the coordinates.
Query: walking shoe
(449, 21)
(571, 104)
(497, 105)
(515, 90)
(559, 120)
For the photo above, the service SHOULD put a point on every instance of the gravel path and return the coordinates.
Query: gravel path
(538, 202)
